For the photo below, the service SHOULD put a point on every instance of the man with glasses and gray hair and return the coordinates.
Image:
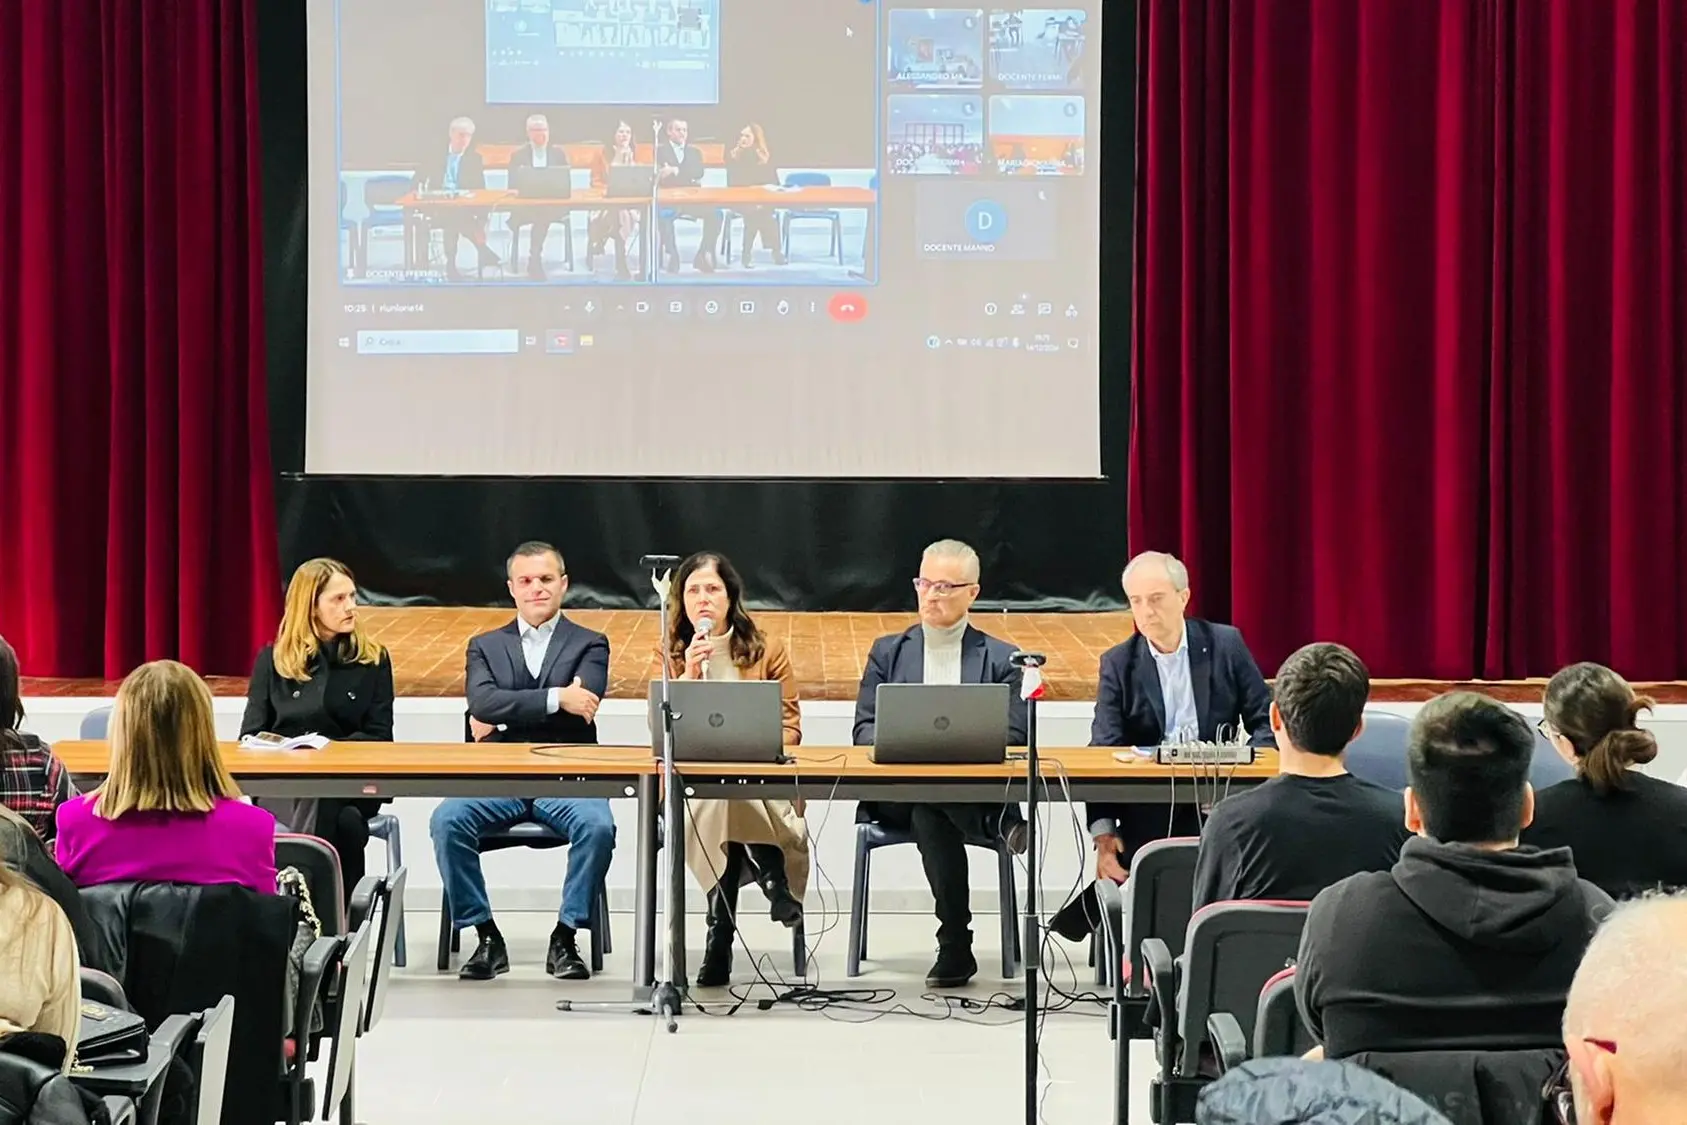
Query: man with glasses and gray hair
(1625, 1024)
(461, 170)
(538, 152)
(945, 648)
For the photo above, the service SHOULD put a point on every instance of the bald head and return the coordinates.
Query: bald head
(1631, 990)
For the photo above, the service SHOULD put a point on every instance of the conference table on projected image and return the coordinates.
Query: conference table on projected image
(422, 211)
(815, 773)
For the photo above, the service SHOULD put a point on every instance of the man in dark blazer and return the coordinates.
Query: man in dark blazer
(1176, 678)
(945, 648)
(679, 165)
(461, 169)
(538, 152)
(538, 679)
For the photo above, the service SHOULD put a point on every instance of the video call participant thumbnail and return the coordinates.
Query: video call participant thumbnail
(538, 152)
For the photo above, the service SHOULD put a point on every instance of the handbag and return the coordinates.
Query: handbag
(290, 881)
(110, 1036)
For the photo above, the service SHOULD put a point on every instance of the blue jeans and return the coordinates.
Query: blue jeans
(459, 824)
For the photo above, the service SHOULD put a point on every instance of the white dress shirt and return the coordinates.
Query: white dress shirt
(1177, 690)
(535, 639)
(541, 156)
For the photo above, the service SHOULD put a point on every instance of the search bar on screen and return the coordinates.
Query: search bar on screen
(439, 341)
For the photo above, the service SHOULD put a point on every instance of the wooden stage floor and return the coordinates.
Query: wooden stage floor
(827, 649)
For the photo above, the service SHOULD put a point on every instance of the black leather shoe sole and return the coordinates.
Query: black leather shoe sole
(484, 970)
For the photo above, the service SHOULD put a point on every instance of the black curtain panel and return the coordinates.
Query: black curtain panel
(802, 544)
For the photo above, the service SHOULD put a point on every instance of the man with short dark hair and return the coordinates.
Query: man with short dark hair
(538, 679)
(1314, 824)
(1470, 942)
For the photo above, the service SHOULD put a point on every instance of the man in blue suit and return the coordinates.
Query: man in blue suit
(537, 679)
(944, 648)
(1177, 678)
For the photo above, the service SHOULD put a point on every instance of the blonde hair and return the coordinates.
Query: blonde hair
(296, 642)
(164, 754)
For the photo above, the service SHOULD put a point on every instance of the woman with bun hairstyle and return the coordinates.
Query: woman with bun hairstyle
(1627, 829)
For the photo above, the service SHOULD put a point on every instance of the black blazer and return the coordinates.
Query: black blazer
(341, 700)
(900, 659)
(471, 171)
(690, 167)
(556, 157)
(1130, 709)
(496, 677)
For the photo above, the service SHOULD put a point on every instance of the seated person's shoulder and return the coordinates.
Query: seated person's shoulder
(244, 818)
(76, 811)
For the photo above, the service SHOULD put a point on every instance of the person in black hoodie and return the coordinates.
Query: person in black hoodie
(1470, 942)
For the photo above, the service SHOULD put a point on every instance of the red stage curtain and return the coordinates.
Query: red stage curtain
(1409, 357)
(137, 515)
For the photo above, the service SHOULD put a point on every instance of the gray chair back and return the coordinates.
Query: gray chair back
(96, 724)
(208, 1056)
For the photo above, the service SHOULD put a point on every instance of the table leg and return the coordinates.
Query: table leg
(644, 914)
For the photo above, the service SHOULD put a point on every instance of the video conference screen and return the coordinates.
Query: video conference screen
(679, 238)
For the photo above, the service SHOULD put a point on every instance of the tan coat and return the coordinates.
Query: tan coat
(712, 824)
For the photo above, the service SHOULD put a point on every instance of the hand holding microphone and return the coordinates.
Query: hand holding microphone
(702, 647)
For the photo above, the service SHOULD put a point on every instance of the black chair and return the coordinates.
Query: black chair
(103, 988)
(1161, 891)
(345, 1024)
(31, 1092)
(1278, 1030)
(526, 834)
(869, 837)
(316, 859)
(1229, 951)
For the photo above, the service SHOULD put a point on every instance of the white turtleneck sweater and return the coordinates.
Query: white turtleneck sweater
(721, 666)
(943, 653)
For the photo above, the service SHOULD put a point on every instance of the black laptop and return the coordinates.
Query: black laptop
(721, 720)
(543, 183)
(627, 181)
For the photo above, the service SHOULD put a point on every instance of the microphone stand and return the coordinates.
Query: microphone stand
(667, 995)
(655, 233)
(1029, 663)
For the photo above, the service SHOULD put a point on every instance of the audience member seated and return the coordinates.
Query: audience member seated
(1628, 831)
(1175, 679)
(537, 679)
(324, 675)
(1314, 824)
(24, 852)
(1471, 940)
(40, 986)
(1623, 1027)
(945, 648)
(729, 843)
(32, 781)
(168, 811)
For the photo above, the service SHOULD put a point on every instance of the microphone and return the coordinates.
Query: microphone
(705, 626)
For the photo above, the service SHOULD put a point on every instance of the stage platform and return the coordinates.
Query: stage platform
(828, 651)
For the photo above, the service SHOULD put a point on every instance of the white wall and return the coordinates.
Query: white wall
(528, 880)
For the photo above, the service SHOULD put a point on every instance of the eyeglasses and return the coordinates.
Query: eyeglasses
(941, 589)
(1546, 729)
(1559, 1094)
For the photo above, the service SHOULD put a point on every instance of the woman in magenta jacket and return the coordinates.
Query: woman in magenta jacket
(168, 811)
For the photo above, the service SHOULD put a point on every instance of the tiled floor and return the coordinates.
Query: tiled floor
(828, 651)
(449, 1051)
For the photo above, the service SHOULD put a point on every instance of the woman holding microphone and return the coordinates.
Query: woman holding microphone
(730, 843)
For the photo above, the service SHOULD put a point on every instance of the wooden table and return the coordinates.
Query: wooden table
(417, 208)
(815, 773)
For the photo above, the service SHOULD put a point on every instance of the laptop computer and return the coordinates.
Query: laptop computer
(721, 721)
(627, 181)
(543, 183)
(922, 724)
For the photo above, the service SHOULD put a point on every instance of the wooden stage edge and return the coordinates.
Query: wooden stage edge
(828, 651)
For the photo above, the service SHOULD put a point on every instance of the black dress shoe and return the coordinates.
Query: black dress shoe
(490, 959)
(955, 966)
(563, 960)
(1079, 918)
(768, 863)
